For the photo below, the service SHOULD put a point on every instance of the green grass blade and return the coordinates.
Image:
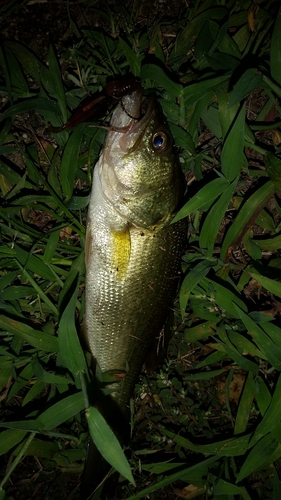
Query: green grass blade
(18, 81)
(30, 62)
(269, 244)
(262, 394)
(191, 280)
(134, 60)
(275, 50)
(51, 246)
(263, 450)
(247, 215)
(9, 439)
(249, 81)
(205, 196)
(192, 93)
(176, 476)
(264, 343)
(232, 151)
(55, 79)
(63, 410)
(47, 108)
(272, 415)
(214, 218)
(46, 377)
(271, 285)
(69, 345)
(107, 443)
(232, 447)
(69, 161)
(77, 268)
(36, 338)
(230, 349)
(156, 74)
(244, 345)
(245, 405)
(200, 332)
(38, 289)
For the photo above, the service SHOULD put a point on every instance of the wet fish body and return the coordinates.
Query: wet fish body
(132, 251)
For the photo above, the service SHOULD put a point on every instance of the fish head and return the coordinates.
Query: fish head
(139, 168)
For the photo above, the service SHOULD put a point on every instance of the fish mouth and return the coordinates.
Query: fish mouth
(136, 123)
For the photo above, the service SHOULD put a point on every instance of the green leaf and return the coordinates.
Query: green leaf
(182, 138)
(62, 411)
(229, 348)
(207, 375)
(257, 456)
(54, 76)
(36, 338)
(51, 246)
(157, 74)
(232, 150)
(23, 425)
(246, 217)
(30, 62)
(46, 377)
(210, 117)
(34, 391)
(16, 292)
(244, 345)
(275, 50)
(77, 268)
(69, 161)
(18, 81)
(208, 234)
(133, 59)
(229, 447)
(269, 244)
(41, 449)
(176, 476)
(200, 332)
(264, 343)
(33, 263)
(205, 195)
(49, 109)
(272, 415)
(271, 285)
(69, 345)
(192, 93)
(186, 38)
(262, 394)
(245, 405)
(224, 295)
(38, 289)
(205, 38)
(274, 332)
(9, 439)
(192, 278)
(107, 443)
(250, 80)
(273, 168)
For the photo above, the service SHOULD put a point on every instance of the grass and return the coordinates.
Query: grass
(216, 71)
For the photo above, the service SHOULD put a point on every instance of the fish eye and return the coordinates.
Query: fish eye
(160, 141)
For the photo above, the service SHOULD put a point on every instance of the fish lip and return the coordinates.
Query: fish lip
(147, 107)
(132, 135)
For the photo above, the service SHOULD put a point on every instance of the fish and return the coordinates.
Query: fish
(133, 251)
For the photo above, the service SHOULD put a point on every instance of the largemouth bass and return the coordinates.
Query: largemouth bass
(133, 253)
